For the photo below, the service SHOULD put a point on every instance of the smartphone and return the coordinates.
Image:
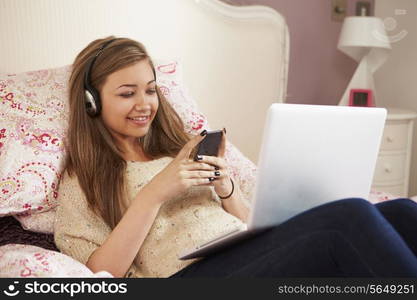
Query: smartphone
(210, 144)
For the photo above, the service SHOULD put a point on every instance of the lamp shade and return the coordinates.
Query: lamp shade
(359, 34)
(365, 40)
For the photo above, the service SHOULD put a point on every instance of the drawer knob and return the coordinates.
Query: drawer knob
(388, 169)
(390, 139)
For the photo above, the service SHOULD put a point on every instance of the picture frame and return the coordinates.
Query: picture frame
(361, 97)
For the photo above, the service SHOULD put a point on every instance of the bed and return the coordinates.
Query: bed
(226, 63)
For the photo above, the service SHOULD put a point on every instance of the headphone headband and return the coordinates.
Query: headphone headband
(92, 101)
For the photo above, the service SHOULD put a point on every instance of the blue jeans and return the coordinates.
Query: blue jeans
(344, 238)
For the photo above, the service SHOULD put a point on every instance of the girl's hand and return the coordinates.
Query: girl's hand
(181, 173)
(221, 183)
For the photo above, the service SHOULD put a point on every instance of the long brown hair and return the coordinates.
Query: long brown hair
(92, 152)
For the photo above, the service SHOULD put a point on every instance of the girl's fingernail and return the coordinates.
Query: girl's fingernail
(211, 179)
(199, 157)
(203, 133)
(217, 173)
(216, 168)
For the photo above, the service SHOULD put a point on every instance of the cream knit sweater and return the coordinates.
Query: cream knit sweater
(181, 223)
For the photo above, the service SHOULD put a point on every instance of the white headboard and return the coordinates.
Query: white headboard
(235, 59)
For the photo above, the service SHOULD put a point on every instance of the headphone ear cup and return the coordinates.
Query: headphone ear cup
(92, 96)
(92, 102)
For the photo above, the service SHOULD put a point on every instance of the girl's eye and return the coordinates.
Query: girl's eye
(127, 95)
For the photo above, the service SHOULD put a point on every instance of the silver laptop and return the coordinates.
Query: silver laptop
(310, 155)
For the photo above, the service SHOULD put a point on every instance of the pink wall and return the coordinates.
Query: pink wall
(318, 71)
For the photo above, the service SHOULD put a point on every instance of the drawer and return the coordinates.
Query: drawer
(390, 168)
(395, 135)
(395, 190)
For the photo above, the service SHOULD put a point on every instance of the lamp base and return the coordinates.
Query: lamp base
(361, 88)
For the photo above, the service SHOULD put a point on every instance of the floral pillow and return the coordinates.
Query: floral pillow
(38, 222)
(31, 147)
(33, 116)
(27, 261)
(378, 196)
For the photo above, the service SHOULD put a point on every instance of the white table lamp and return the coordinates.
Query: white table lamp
(365, 40)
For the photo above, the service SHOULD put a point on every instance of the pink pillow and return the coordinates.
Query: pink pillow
(38, 222)
(170, 80)
(32, 121)
(376, 196)
(27, 261)
(24, 206)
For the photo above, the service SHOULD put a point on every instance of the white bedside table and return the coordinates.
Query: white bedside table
(392, 170)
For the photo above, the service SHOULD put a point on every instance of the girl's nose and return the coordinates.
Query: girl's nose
(139, 99)
(140, 103)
